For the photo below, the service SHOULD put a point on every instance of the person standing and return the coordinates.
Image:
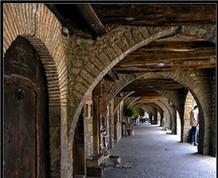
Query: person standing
(138, 120)
(197, 130)
(194, 124)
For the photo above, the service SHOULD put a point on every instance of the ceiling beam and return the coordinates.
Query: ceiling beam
(91, 18)
(157, 14)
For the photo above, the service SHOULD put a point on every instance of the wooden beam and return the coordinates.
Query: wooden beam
(157, 14)
(164, 45)
(142, 58)
(92, 19)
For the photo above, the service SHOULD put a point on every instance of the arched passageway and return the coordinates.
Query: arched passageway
(96, 53)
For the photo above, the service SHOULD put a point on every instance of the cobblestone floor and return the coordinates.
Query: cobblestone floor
(152, 153)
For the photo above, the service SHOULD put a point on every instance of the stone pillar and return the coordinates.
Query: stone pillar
(79, 151)
(111, 123)
(154, 121)
(174, 130)
(88, 128)
(189, 104)
(96, 118)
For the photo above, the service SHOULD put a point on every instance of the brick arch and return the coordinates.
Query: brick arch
(34, 22)
(23, 19)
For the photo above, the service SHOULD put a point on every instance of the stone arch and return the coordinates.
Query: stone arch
(143, 106)
(130, 101)
(127, 79)
(118, 101)
(167, 110)
(198, 90)
(151, 109)
(159, 109)
(184, 79)
(177, 98)
(96, 58)
(112, 48)
(34, 22)
(206, 32)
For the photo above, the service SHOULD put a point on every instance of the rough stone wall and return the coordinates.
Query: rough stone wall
(214, 114)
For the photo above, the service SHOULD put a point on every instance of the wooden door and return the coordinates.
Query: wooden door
(26, 143)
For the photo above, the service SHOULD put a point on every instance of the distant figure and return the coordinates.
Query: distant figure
(197, 130)
(194, 124)
(137, 120)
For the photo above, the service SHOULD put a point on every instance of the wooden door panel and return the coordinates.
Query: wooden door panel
(19, 129)
(26, 127)
(10, 129)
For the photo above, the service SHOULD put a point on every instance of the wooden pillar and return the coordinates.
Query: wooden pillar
(96, 118)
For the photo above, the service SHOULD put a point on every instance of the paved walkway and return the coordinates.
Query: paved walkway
(152, 153)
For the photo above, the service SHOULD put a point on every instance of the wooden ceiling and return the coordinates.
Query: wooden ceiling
(150, 87)
(156, 14)
(170, 54)
(178, 52)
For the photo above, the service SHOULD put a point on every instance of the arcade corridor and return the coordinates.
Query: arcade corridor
(77, 76)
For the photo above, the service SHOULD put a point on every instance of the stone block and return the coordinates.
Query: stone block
(113, 161)
(94, 161)
(95, 171)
